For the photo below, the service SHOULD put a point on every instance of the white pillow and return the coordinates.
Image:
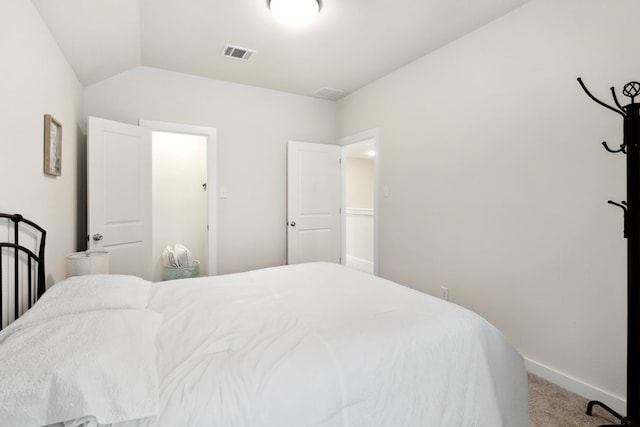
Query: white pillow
(79, 294)
(98, 364)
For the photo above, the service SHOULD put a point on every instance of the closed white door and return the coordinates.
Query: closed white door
(314, 199)
(119, 195)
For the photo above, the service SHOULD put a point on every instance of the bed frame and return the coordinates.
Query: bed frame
(19, 264)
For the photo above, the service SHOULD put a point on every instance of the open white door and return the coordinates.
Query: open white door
(119, 195)
(314, 199)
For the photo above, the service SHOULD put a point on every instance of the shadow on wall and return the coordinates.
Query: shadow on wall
(81, 206)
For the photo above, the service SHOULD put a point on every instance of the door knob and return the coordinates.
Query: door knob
(293, 223)
(97, 237)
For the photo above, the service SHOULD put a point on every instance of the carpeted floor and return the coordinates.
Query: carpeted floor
(553, 406)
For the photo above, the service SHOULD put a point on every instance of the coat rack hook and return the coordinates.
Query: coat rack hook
(620, 150)
(615, 98)
(597, 100)
(622, 205)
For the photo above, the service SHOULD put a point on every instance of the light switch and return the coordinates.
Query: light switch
(385, 191)
(224, 194)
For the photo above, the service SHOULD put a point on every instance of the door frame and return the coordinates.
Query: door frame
(212, 187)
(370, 134)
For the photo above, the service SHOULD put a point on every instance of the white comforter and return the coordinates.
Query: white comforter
(294, 346)
(321, 345)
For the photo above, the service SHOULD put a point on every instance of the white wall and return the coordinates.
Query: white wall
(37, 80)
(498, 185)
(179, 202)
(253, 127)
(359, 185)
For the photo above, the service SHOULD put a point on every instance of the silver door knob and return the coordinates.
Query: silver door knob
(293, 223)
(97, 237)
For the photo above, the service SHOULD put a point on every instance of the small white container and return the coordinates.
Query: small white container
(81, 263)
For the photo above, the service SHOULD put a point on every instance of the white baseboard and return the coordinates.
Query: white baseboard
(359, 264)
(576, 386)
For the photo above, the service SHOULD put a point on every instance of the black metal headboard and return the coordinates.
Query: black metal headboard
(20, 265)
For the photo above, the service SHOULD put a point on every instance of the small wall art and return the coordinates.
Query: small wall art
(52, 146)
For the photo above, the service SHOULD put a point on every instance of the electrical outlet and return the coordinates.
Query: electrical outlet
(445, 293)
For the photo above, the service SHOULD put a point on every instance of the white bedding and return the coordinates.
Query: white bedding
(321, 345)
(85, 350)
(42, 384)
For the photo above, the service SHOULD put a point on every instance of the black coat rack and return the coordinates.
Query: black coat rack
(631, 208)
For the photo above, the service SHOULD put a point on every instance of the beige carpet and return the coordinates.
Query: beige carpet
(553, 406)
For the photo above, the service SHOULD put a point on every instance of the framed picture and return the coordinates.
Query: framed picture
(52, 146)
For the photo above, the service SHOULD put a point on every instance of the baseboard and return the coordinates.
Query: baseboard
(359, 264)
(576, 386)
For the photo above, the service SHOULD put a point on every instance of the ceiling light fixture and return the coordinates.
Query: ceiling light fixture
(294, 12)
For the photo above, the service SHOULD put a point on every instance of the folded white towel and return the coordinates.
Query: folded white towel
(169, 257)
(183, 255)
(176, 256)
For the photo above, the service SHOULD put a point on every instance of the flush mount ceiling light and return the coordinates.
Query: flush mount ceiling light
(294, 12)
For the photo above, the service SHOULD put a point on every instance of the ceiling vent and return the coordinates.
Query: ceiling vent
(237, 52)
(328, 93)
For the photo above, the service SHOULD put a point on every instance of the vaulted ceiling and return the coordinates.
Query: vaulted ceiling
(350, 44)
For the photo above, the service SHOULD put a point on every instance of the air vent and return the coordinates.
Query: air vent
(328, 93)
(238, 52)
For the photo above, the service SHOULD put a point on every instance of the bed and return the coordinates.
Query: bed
(302, 345)
(22, 280)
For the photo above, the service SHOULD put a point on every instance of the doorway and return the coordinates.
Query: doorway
(360, 201)
(179, 197)
(184, 192)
